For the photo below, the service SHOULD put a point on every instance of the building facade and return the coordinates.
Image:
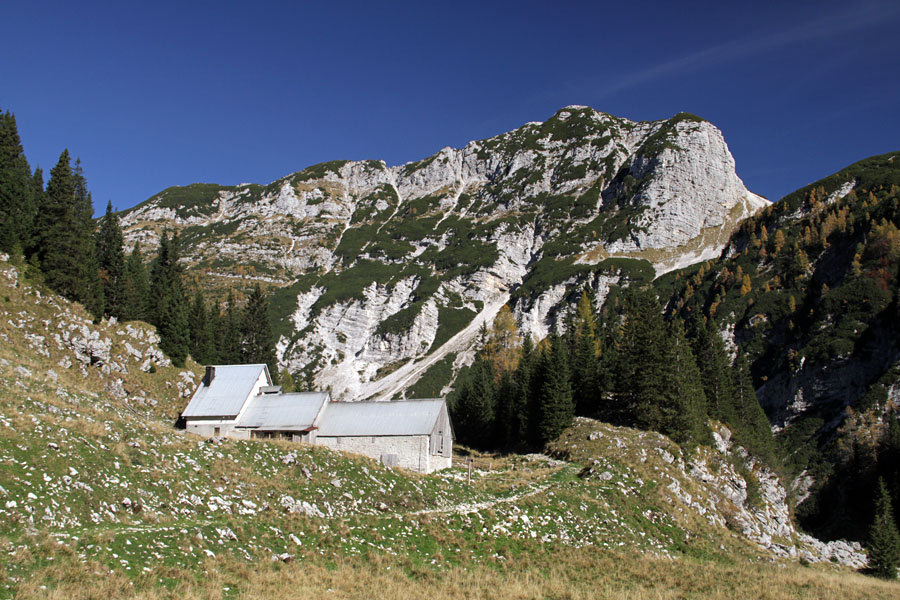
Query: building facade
(239, 401)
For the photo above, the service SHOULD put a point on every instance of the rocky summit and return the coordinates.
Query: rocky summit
(387, 273)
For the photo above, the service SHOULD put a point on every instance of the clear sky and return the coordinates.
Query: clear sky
(156, 94)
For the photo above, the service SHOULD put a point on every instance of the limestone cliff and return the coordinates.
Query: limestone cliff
(386, 270)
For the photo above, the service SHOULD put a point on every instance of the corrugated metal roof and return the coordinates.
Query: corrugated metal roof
(283, 411)
(407, 417)
(225, 396)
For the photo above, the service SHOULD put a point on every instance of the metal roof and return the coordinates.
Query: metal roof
(407, 417)
(283, 411)
(227, 392)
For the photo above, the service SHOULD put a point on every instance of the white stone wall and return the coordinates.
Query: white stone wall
(207, 428)
(436, 462)
(412, 451)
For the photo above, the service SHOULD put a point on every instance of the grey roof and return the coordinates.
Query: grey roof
(408, 417)
(283, 411)
(225, 396)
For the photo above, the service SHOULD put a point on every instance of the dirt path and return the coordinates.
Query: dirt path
(465, 508)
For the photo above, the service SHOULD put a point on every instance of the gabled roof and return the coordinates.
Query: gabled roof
(294, 412)
(227, 392)
(407, 417)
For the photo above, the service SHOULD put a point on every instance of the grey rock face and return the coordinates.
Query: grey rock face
(383, 257)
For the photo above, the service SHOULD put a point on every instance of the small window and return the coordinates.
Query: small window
(217, 431)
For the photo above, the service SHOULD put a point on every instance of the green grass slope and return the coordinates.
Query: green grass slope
(100, 497)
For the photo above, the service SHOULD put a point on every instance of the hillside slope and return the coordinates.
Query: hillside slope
(93, 483)
(809, 287)
(381, 266)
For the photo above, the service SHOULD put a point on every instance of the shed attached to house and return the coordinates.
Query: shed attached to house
(413, 434)
(292, 416)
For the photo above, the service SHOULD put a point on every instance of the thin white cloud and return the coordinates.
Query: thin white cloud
(844, 22)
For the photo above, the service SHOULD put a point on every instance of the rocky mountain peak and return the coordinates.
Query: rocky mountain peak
(386, 269)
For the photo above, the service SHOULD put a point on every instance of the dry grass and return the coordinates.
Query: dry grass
(565, 574)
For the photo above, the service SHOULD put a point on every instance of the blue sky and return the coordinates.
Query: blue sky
(157, 94)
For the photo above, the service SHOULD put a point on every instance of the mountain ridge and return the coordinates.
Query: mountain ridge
(382, 262)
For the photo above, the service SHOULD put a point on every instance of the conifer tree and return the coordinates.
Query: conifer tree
(501, 344)
(17, 203)
(522, 409)
(473, 408)
(689, 421)
(65, 233)
(609, 340)
(257, 344)
(750, 424)
(884, 541)
(58, 261)
(657, 378)
(556, 406)
(168, 305)
(229, 335)
(92, 287)
(504, 411)
(585, 349)
(642, 375)
(39, 198)
(111, 261)
(135, 287)
(889, 460)
(715, 371)
(202, 350)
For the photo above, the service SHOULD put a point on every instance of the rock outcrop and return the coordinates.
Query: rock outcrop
(723, 486)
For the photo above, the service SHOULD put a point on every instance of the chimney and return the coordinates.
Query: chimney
(210, 375)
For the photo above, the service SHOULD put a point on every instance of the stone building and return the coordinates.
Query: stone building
(240, 401)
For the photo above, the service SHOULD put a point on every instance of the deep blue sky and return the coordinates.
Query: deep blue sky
(157, 94)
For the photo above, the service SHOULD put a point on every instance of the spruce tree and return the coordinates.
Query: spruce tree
(111, 261)
(556, 406)
(609, 341)
(17, 207)
(505, 435)
(889, 460)
(229, 333)
(715, 371)
(30, 238)
(522, 412)
(473, 408)
(585, 350)
(201, 325)
(65, 234)
(136, 288)
(257, 343)
(751, 426)
(656, 376)
(642, 374)
(884, 541)
(688, 422)
(92, 292)
(168, 305)
(56, 230)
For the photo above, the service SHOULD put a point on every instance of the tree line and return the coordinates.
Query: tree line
(626, 364)
(84, 260)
